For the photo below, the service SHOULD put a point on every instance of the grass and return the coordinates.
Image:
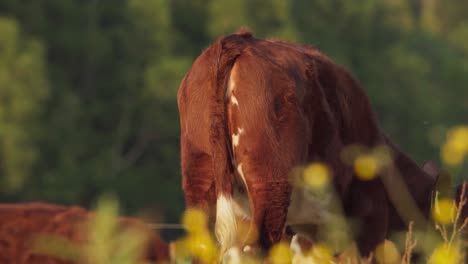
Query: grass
(443, 243)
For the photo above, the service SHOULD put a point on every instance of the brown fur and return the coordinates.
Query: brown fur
(21, 223)
(296, 106)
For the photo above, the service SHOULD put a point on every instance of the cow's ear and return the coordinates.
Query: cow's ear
(431, 169)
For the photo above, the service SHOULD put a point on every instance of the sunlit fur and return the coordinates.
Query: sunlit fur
(236, 137)
(232, 256)
(226, 226)
(295, 106)
(234, 100)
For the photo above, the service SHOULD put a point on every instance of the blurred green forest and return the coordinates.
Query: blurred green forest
(88, 87)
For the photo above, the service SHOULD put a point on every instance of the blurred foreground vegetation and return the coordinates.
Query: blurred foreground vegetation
(88, 88)
(441, 244)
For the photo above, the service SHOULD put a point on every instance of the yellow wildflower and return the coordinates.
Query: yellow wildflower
(445, 254)
(387, 253)
(202, 246)
(455, 149)
(443, 211)
(458, 138)
(280, 254)
(317, 175)
(194, 220)
(366, 167)
(321, 254)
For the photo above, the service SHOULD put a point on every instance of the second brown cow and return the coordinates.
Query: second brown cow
(28, 232)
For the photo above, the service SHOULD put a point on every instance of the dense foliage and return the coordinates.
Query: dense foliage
(88, 88)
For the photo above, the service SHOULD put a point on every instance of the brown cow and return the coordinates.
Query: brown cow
(251, 110)
(22, 224)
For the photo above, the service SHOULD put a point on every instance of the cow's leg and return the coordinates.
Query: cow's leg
(275, 213)
(369, 204)
(269, 203)
(197, 178)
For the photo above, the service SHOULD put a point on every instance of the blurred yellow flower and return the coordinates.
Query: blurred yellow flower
(202, 246)
(180, 249)
(194, 220)
(280, 254)
(458, 138)
(316, 175)
(443, 211)
(387, 253)
(198, 243)
(129, 245)
(102, 229)
(366, 167)
(452, 156)
(456, 148)
(321, 253)
(445, 254)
